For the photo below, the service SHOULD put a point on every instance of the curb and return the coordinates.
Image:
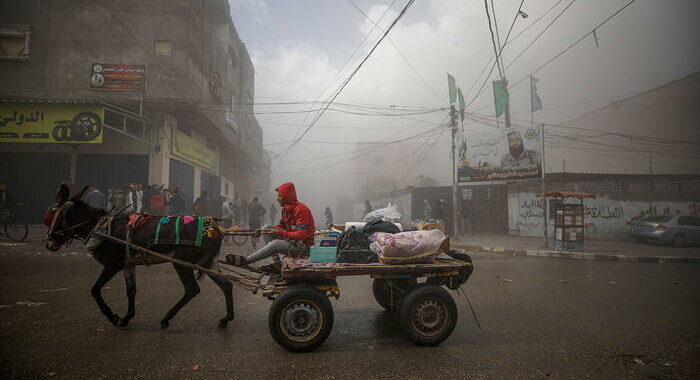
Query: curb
(578, 255)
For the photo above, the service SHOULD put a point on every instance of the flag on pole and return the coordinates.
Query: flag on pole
(462, 104)
(452, 88)
(500, 95)
(534, 97)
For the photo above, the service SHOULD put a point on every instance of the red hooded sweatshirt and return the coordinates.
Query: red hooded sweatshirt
(297, 222)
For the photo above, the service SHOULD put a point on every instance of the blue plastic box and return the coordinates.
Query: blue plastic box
(322, 254)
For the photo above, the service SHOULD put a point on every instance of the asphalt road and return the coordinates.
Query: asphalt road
(541, 318)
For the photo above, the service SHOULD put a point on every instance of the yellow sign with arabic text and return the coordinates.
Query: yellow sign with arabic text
(191, 150)
(44, 123)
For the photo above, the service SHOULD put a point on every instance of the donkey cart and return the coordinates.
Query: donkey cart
(301, 316)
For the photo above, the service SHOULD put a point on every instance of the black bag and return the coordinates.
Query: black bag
(356, 256)
(380, 226)
(353, 239)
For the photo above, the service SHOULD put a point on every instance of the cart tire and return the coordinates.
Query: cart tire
(428, 315)
(383, 294)
(300, 319)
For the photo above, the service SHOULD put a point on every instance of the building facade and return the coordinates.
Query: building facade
(110, 93)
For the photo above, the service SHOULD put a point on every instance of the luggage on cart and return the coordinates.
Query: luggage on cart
(412, 247)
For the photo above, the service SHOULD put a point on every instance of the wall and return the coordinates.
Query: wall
(605, 218)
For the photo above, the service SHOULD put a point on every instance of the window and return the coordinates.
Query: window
(164, 48)
(14, 42)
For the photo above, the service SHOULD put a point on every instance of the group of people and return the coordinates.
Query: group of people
(240, 212)
(153, 199)
(439, 212)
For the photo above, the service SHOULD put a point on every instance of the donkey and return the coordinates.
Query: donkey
(70, 219)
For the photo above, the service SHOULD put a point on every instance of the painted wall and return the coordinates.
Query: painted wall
(605, 218)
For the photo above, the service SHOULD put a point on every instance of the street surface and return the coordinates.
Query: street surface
(542, 318)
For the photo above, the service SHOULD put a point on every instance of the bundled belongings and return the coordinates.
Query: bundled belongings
(356, 256)
(413, 247)
(380, 226)
(390, 213)
(353, 247)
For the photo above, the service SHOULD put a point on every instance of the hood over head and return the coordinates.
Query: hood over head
(288, 193)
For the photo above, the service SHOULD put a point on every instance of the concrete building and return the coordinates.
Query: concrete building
(636, 155)
(109, 93)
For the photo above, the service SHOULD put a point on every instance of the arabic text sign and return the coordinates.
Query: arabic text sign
(497, 154)
(41, 123)
(118, 77)
(193, 151)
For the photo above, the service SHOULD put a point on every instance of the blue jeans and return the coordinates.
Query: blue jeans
(273, 247)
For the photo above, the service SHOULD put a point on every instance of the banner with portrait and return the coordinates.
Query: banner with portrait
(487, 153)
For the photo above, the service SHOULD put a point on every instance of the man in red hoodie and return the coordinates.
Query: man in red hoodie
(295, 229)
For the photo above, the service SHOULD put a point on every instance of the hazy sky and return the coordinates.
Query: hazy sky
(299, 46)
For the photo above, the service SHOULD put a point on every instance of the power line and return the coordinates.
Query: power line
(507, 42)
(403, 12)
(345, 64)
(401, 54)
(575, 43)
(563, 51)
(541, 33)
(493, 40)
(497, 54)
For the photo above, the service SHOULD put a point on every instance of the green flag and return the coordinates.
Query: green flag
(452, 88)
(462, 104)
(500, 95)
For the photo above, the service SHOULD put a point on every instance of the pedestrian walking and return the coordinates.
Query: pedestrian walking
(255, 215)
(329, 216)
(200, 204)
(177, 202)
(427, 210)
(273, 214)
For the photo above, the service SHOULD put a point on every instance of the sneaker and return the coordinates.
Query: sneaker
(236, 260)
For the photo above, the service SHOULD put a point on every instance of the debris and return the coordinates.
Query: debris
(588, 276)
(675, 281)
(196, 367)
(52, 290)
(562, 281)
(507, 280)
(612, 282)
(668, 364)
(100, 329)
(51, 374)
(5, 306)
(638, 361)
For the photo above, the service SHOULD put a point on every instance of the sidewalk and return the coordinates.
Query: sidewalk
(593, 249)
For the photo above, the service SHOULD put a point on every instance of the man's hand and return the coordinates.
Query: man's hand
(273, 233)
(257, 233)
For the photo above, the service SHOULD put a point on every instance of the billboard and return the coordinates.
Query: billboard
(118, 77)
(43, 123)
(486, 153)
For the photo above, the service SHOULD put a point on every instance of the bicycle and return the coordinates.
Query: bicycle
(15, 229)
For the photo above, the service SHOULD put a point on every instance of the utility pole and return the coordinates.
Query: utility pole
(453, 127)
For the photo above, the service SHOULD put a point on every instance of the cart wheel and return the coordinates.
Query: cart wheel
(300, 319)
(389, 298)
(428, 315)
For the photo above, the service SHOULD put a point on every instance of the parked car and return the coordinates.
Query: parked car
(678, 230)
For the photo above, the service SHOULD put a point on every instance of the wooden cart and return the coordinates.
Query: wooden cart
(301, 315)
